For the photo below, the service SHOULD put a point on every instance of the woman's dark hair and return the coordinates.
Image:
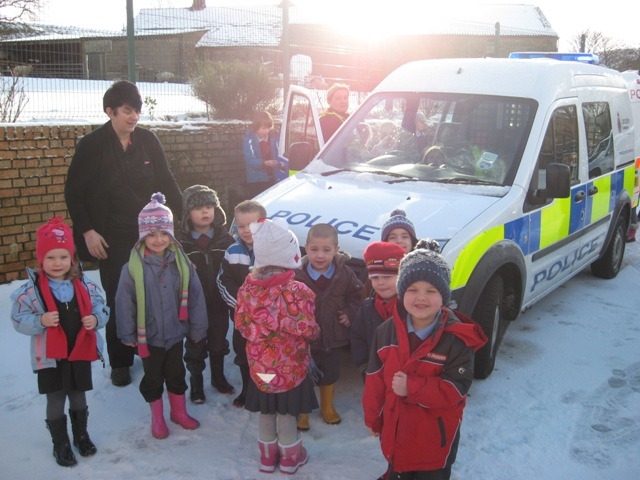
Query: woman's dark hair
(122, 93)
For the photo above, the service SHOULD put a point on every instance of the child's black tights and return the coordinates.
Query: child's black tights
(56, 401)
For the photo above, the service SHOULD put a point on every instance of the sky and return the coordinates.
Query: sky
(562, 404)
(616, 19)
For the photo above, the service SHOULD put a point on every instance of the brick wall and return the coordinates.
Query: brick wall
(34, 162)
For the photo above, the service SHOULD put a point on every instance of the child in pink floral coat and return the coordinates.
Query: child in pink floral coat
(275, 314)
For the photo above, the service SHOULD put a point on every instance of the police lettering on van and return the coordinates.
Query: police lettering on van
(523, 169)
(343, 226)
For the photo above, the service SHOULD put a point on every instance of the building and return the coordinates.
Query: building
(169, 41)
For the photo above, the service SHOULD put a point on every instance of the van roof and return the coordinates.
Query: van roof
(542, 79)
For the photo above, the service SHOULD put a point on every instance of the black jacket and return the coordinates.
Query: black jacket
(106, 187)
(363, 330)
(207, 264)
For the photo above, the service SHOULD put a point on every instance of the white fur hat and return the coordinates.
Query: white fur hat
(274, 244)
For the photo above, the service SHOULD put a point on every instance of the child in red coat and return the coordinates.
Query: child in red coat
(420, 371)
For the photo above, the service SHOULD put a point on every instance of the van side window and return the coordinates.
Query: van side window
(560, 145)
(301, 128)
(599, 134)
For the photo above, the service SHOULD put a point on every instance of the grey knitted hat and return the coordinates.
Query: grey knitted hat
(426, 264)
(198, 196)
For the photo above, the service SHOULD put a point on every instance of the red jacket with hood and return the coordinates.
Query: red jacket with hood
(418, 430)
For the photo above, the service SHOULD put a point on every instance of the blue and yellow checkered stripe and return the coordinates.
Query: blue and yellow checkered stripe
(544, 227)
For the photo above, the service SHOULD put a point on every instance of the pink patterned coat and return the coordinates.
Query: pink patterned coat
(276, 317)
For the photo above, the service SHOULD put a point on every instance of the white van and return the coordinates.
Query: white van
(525, 172)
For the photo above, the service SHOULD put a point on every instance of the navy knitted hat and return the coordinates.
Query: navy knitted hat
(398, 219)
(425, 264)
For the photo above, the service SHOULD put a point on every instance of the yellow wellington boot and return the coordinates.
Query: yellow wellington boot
(303, 422)
(329, 414)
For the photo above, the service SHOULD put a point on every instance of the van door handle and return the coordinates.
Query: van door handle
(593, 190)
(580, 196)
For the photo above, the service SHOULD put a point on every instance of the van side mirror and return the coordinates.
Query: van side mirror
(300, 155)
(557, 182)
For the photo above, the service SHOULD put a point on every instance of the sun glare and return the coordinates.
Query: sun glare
(373, 21)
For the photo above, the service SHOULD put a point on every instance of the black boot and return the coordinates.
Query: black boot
(218, 380)
(196, 393)
(81, 438)
(61, 446)
(240, 400)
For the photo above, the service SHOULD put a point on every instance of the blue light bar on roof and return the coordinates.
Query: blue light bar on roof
(571, 57)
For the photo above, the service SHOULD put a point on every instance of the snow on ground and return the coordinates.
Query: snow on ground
(71, 100)
(563, 403)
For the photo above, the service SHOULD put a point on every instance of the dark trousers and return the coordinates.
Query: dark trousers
(120, 355)
(240, 349)
(215, 344)
(329, 365)
(160, 367)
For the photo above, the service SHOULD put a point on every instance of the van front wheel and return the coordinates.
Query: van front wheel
(609, 264)
(487, 314)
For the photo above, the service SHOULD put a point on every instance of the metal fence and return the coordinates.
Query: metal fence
(62, 72)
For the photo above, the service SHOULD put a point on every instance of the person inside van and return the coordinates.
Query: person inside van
(336, 114)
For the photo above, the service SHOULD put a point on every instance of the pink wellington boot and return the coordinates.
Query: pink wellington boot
(179, 413)
(269, 455)
(292, 456)
(159, 428)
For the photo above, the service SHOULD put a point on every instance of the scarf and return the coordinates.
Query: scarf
(57, 347)
(385, 308)
(137, 274)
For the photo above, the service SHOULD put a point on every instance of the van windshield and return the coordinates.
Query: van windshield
(451, 138)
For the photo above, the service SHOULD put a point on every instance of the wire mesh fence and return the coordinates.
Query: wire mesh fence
(298, 46)
(62, 72)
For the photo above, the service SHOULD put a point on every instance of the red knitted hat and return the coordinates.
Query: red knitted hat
(383, 258)
(53, 234)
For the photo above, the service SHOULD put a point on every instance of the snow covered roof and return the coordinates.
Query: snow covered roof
(515, 20)
(17, 32)
(226, 26)
(247, 25)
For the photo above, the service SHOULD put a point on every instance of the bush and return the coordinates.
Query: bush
(234, 90)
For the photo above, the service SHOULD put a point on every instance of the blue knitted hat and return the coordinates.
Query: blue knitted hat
(426, 264)
(398, 219)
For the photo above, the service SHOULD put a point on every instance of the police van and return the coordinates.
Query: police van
(524, 170)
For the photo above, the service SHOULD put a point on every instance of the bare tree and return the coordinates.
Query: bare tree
(608, 50)
(14, 9)
(13, 98)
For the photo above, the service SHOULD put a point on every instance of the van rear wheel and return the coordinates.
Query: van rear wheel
(488, 315)
(609, 264)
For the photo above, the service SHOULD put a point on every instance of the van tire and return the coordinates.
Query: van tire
(608, 266)
(487, 313)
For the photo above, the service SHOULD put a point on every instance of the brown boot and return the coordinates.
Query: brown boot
(329, 414)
